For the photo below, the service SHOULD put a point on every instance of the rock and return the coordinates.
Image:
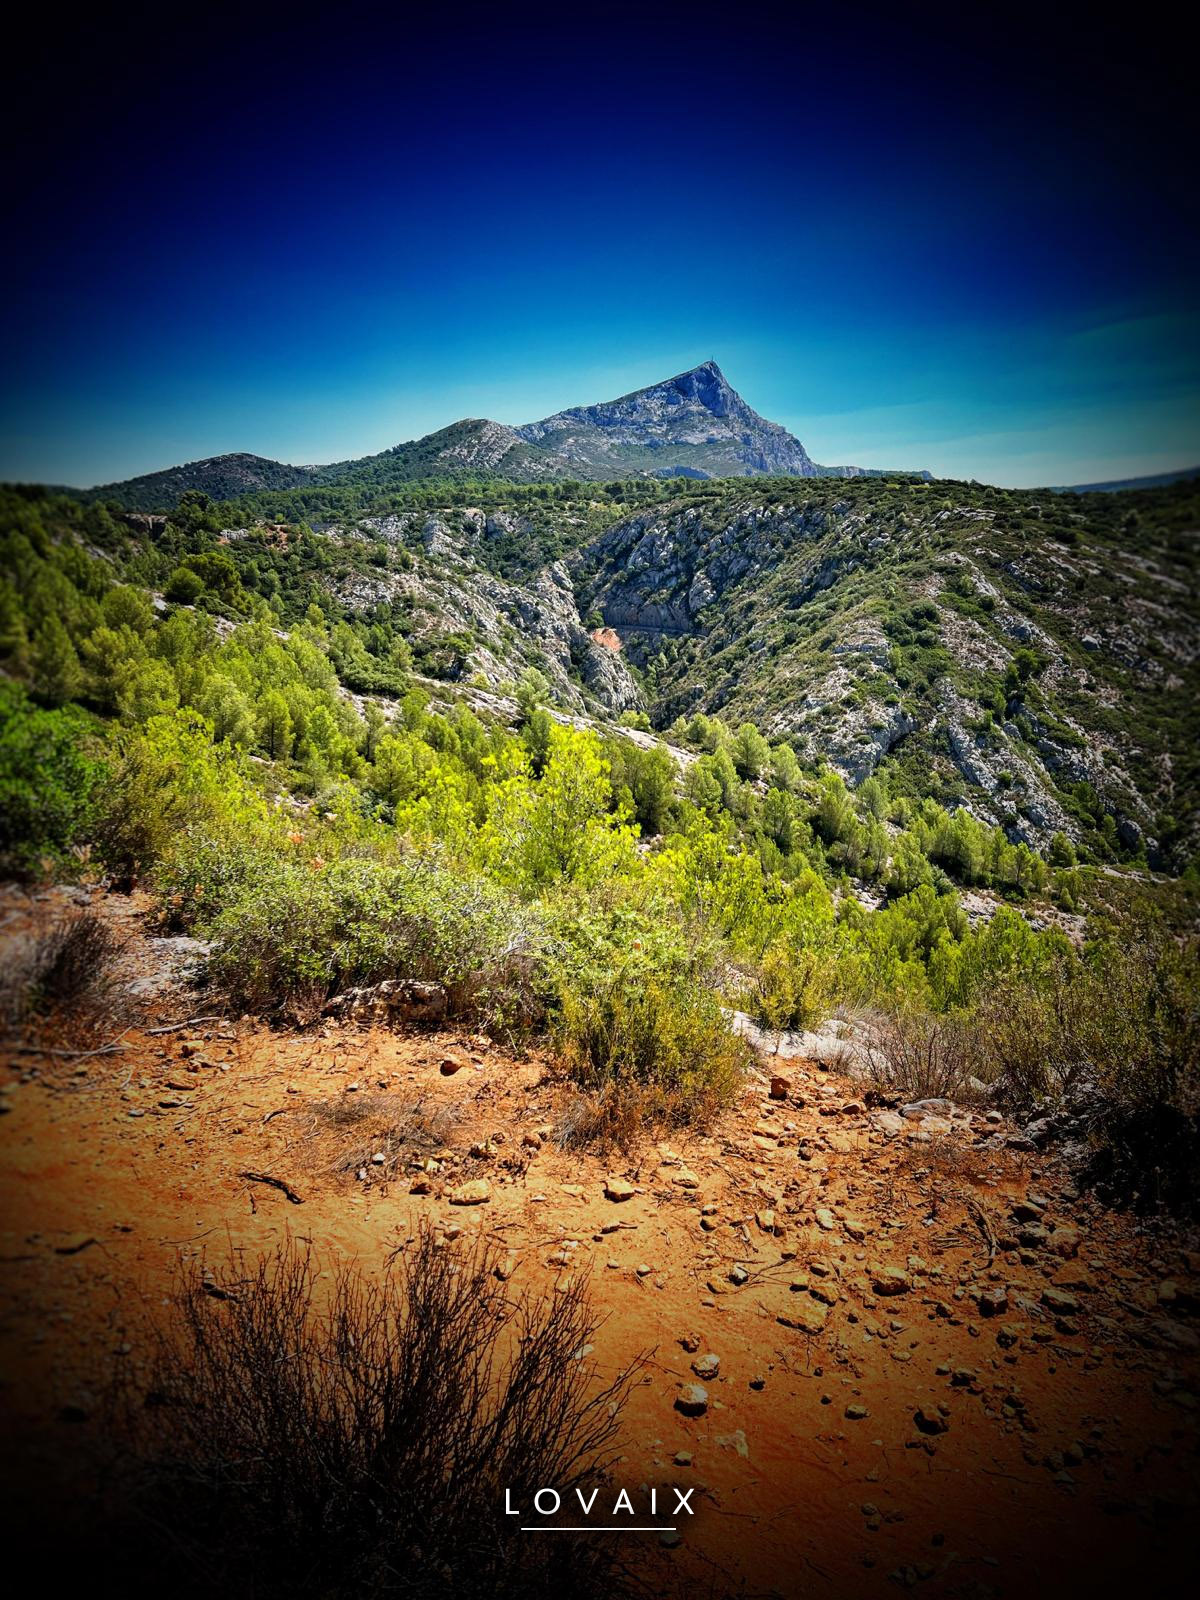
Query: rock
(1033, 1235)
(765, 1220)
(707, 1366)
(475, 1193)
(736, 1442)
(683, 1458)
(450, 1065)
(619, 1189)
(531, 1141)
(1060, 1302)
(806, 1315)
(643, 1269)
(692, 1400)
(856, 1412)
(930, 1422)
(420, 1185)
(780, 1087)
(825, 1218)
(887, 1281)
(738, 1275)
(506, 1267)
(686, 1179)
(993, 1302)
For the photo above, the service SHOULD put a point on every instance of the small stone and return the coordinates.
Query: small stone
(807, 1315)
(781, 1087)
(825, 1218)
(707, 1366)
(856, 1412)
(643, 1270)
(683, 1458)
(692, 1400)
(450, 1065)
(930, 1421)
(887, 1281)
(993, 1302)
(476, 1193)
(619, 1189)
(1060, 1302)
(765, 1220)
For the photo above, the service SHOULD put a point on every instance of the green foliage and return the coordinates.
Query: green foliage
(299, 931)
(52, 775)
(653, 1050)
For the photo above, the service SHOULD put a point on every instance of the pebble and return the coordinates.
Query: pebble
(692, 1400)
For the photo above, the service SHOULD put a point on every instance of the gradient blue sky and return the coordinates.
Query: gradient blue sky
(913, 242)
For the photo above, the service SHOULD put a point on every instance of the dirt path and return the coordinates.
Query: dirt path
(917, 1383)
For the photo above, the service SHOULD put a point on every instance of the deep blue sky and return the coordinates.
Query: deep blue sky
(913, 245)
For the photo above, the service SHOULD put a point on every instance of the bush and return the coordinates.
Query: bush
(922, 1055)
(65, 987)
(50, 779)
(1114, 1037)
(297, 933)
(793, 988)
(647, 1049)
(293, 1436)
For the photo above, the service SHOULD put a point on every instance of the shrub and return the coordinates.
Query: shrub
(297, 933)
(923, 1055)
(793, 987)
(50, 779)
(296, 1436)
(1115, 1037)
(170, 779)
(648, 1049)
(66, 986)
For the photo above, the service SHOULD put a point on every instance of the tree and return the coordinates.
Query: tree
(275, 732)
(750, 751)
(57, 676)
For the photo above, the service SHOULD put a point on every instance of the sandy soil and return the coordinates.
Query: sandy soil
(915, 1385)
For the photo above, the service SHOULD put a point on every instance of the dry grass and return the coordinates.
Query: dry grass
(66, 988)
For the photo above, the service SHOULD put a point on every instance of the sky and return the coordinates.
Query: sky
(915, 240)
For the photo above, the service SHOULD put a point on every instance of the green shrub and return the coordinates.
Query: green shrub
(51, 776)
(296, 933)
(651, 1050)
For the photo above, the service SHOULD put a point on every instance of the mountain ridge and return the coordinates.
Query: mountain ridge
(694, 424)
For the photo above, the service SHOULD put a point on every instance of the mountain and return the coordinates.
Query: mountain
(694, 425)
(219, 477)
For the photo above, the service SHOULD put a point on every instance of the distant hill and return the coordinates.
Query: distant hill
(694, 425)
(1156, 480)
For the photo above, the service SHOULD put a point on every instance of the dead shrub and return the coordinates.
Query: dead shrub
(66, 986)
(297, 1436)
(923, 1055)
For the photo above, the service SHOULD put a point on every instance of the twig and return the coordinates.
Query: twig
(985, 1228)
(275, 1183)
(68, 1055)
(174, 1027)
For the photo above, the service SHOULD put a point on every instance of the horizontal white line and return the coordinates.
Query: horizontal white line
(553, 1527)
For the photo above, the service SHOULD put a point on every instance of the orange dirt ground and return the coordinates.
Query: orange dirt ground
(1068, 1459)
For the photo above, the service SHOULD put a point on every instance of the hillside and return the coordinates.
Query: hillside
(1032, 657)
(693, 425)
